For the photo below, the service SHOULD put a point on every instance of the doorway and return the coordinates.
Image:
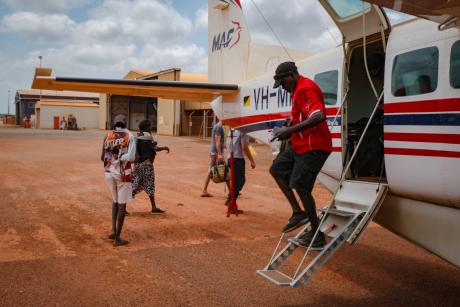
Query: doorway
(369, 161)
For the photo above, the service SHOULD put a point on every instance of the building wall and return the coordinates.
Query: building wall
(168, 121)
(103, 111)
(194, 105)
(87, 117)
(25, 100)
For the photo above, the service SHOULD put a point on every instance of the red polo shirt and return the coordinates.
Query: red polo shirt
(307, 99)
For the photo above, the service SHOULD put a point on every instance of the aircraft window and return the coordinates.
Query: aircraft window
(415, 72)
(347, 8)
(455, 65)
(328, 82)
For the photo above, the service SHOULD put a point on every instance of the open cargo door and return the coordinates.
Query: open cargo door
(347, 15)
(444, 12)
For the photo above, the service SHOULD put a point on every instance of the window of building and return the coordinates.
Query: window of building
(348, 8)
(455, 65)
(328, 81)
(415, 72)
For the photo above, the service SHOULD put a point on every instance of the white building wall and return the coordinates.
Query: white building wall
(87, 117)
(103, 112)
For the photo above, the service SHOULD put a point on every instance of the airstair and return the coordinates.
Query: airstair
(353, 206)
(342, 221)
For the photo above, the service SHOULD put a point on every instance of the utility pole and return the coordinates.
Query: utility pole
(8, 102)
(40, 57)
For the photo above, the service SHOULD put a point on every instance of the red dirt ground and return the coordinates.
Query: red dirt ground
(55, 215)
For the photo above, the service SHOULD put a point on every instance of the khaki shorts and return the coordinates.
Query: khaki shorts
(122, 192)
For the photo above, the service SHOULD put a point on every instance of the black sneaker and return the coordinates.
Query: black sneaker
(296, 220)
(305, 239)
(119, 242)
(157, 211)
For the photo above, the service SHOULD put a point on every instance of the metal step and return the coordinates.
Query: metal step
(336, 211)
(276, 277)
(339, 235)
(352, 208)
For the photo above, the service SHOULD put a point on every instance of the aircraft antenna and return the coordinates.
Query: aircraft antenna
(271, 29)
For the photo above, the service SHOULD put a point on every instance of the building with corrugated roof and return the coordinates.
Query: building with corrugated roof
(50, 113)
(26, 99)
(168, 117)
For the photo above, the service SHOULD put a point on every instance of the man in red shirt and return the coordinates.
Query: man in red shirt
(297, 167)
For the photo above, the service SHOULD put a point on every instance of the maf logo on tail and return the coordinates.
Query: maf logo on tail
(227, 39)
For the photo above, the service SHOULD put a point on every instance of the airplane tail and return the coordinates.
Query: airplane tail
(228, 42)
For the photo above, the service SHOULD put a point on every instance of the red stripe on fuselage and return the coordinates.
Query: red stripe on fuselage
(252, 119)
(336, 135)
(422, 152)
(247, 120)
(332, 111)
(423, 137)
(336, 149)
(429, 106)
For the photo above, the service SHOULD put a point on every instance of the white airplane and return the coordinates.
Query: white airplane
(409, 85)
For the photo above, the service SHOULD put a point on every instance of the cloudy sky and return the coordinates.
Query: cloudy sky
(107, 38)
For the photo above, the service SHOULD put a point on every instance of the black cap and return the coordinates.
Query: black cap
(282, 70)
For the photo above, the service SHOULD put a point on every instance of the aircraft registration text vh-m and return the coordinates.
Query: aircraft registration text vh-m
(392, 97)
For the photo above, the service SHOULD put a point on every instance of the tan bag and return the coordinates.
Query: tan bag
(220, 172)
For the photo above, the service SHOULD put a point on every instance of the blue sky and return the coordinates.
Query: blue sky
(107, 38)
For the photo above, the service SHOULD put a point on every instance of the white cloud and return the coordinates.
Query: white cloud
(137, 21)
(44, 6)
(189, 58)
(201, 18)
(38, 27)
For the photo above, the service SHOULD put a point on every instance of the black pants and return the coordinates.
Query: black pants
(240, 175)
(298, 171)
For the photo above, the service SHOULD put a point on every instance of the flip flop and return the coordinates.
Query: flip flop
(238, 211)
(206, 195)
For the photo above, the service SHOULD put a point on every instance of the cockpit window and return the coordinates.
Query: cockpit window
(347, 8)
(328, 82)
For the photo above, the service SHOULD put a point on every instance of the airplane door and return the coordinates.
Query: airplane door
(347, 15)
(444, 12)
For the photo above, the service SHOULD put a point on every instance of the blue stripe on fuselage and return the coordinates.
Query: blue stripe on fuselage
(436, 119)
(261, 126)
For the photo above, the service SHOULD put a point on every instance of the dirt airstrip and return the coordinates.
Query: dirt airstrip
(55, 217)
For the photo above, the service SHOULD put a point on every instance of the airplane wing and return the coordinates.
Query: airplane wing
(148, 88)
(444, 12)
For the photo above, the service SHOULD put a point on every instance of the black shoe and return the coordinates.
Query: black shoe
(126, 212)
(296, 220)
(157, 211)
(306, 238)
(119, 242)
